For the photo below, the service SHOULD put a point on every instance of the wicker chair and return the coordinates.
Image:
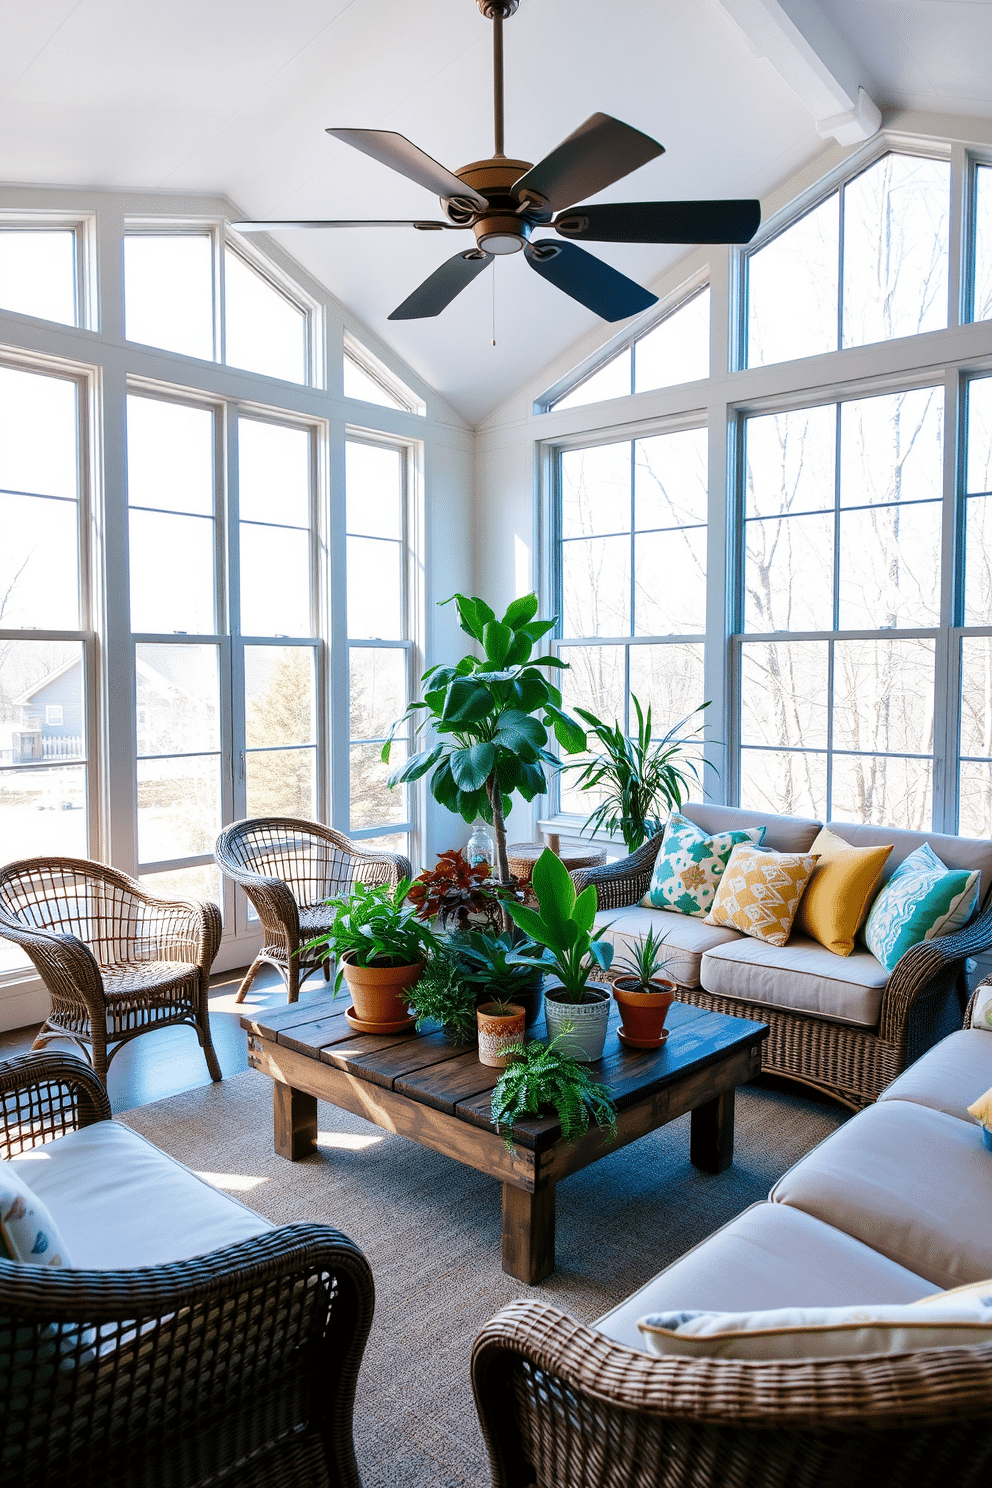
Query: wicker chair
(562, 1406)
(288, 867)
(238, 1367)
(117, 960)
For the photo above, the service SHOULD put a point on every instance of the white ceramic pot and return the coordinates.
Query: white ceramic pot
(587, 1019)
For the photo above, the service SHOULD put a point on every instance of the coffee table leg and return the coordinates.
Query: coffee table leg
(711, 1140)
(294, 1121)
(528, 1232)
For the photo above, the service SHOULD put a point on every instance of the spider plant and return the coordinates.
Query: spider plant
(643, 963)
(643, 777)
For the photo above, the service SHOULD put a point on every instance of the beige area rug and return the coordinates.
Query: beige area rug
(431, 1231)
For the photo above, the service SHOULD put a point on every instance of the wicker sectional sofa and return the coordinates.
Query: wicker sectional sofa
(840, 1023)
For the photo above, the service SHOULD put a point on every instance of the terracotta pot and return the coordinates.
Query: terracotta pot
(530, 997)
(379, 992)
(501, 1030)
(644, 1013)
(587, 1021)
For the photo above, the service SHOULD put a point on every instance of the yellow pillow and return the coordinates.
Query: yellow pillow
(840, 893)
(982, 1110)
(759, 892)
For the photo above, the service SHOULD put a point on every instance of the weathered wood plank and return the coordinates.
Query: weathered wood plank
(269, 1022)
(444, 1085)
(383, 1060)
(310, 1038)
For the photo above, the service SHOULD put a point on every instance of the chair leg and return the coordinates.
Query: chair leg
(249, 978)
(327, 968)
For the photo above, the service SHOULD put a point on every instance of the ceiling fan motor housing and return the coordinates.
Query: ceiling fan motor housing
(503, 228)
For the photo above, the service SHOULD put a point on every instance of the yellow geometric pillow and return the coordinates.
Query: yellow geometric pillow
(760, 892)
(840, 893)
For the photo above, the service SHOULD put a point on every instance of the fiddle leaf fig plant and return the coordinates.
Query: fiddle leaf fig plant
(487, 719)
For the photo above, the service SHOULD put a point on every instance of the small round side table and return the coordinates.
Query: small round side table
(523, 855)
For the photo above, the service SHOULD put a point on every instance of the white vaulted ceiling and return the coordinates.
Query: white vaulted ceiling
(215, 96)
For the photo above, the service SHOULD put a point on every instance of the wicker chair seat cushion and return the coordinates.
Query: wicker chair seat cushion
(686, 938)
(801, 975)
(772, 1255)
(315, 919)
(913, 1183)
(129, 978)
(119, 1202)
(949, 1076)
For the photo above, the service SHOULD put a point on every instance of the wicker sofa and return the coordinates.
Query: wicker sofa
(191, 1342)
(838, 1023)
(894, 1206)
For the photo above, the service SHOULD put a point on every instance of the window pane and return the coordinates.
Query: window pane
(976, 695)
(275, 581)
(890, 567)
(203, 882)
(895, 249)
(178, 699)
(378, 690)
(885, 792)
(983, 244)
(784, 693)
(273, 473)
(884, 696)
(39, 563)
(789, 573)
(169, 292)
(975, 811)
(980, 434)
(42, 713)
(978, 562)
(670, 588)
(780, 781)
(38, 273)
(281, 782)
(37, 434)
(670, 482)
(611, 381)
(891, 448)
(392, 842)
(677, 350)
(792, 290)
(43, 812)
(595, 490)
(358, 384)
(789, 461)
(172, 572)
(280, 696)
(178, 807)
(170, 456)
(374, 485)
(375, 589)
(596, 586)
(372, 802)
(265, 332)
(669, 680)
(595, 680)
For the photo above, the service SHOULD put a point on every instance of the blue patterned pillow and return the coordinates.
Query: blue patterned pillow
(28, 1233)
(923, 898)
(689, 866)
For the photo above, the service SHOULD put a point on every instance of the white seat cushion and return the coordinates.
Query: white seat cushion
(913, 1183)
(949, 1076)
(686, 938)
(769, 1256)
(120, 1202)
(801, 974)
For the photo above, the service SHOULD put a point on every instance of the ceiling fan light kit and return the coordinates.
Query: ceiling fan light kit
(501, 201)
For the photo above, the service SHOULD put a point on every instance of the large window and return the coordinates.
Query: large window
(676, 350)
(975, 801)
(39, 272)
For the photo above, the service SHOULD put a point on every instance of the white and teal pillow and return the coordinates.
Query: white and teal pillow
(689, 866)
(923, 898)
(28, 1233)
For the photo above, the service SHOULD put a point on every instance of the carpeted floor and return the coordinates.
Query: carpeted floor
(431, 1230)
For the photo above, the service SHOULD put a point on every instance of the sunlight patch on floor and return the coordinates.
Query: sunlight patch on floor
(346, 1141)
(232, 1182)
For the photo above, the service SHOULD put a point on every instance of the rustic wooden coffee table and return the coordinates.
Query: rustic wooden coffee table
(438, 1094)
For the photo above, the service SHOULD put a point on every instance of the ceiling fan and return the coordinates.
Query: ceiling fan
(503, 201)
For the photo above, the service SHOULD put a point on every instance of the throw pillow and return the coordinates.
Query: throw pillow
(760, 891)
(839, 894)
(980, 1291)
(981, 1109)
(690, 864)
(27, 1230)
(820, 1332)
(981, 1013)
(923, 898)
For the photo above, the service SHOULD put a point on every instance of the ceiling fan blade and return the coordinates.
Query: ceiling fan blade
(438, 291)
(662, 222)
(588, 279)
(396, 151)
(274, 226)
(601, 151)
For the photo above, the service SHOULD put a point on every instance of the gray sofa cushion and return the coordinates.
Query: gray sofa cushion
(950, 1076)
(686, 938)
(769, 1256)
(955, 852)
(782, 833)
(802, 975)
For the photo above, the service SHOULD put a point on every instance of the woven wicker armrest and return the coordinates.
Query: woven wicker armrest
(590, 1413)
(44, 1095)
(62, 960)
(922, 963)
(624, 882)
(189, 929)
(273, 900)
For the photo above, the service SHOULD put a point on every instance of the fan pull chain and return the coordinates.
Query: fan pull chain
(494, 304)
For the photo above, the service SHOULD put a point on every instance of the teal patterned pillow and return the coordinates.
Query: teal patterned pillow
(27, 1230)
(923, 898)
(689, 866)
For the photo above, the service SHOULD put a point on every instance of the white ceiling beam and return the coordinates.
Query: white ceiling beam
(808, 52)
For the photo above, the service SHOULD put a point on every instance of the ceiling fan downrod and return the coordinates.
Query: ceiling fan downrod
(498, 11)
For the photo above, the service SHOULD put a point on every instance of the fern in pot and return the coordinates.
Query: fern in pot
(642, 994)
(442, 994)
(380, 948)
(542, 1077)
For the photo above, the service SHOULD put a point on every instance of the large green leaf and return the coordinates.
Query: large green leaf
(497, 639)
(467, 702)
(529, 692)
(553, 886)
(516, 731)
(469, 803)
(531, 923)
(584, 912)
(570, 735)
(530, 781)
(416, 765)
(471, 767)
(443, 787)
(520, 649)
(519, 611)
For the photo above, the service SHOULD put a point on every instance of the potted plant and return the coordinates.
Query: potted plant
(501, 1028)
(642, 996)
(489, 716)
(380, 948)
(454, 891)
(542, 1076)
(642, 777)
(562, 924)
(441, 994)
(500, 968)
